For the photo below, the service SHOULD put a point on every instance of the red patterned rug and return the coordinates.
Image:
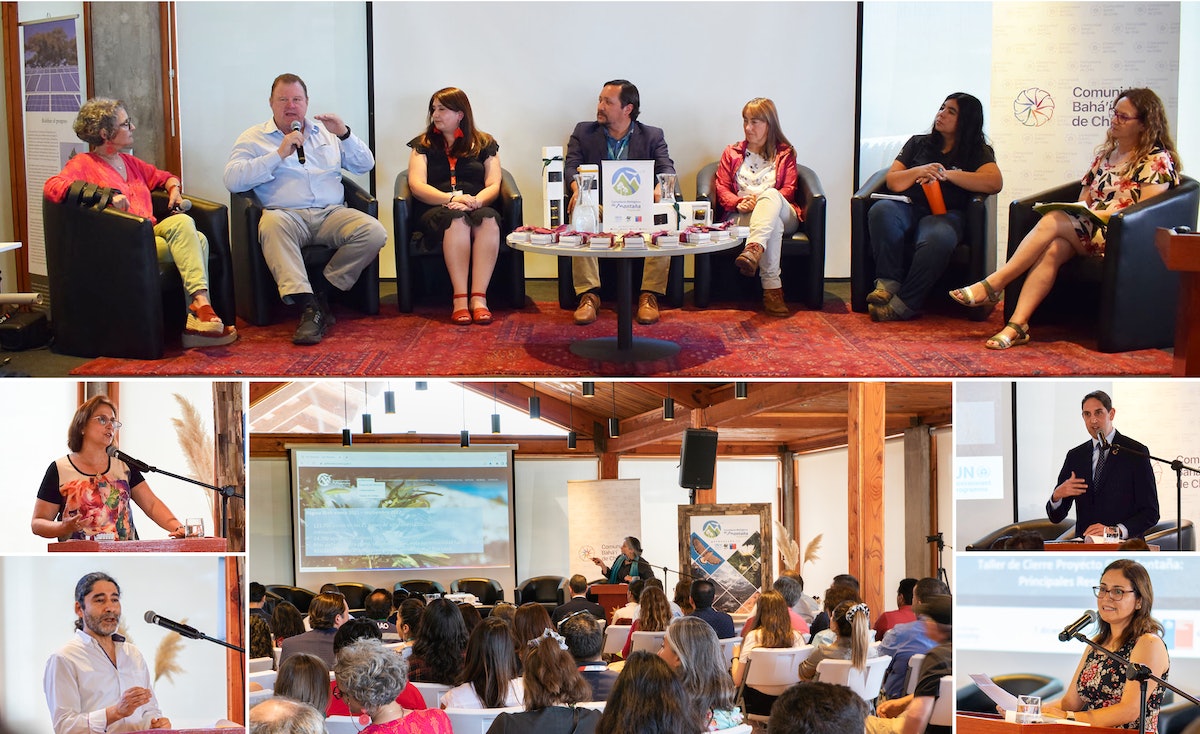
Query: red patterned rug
(716, 342)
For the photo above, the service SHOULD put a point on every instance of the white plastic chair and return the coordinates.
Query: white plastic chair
(648, 641)
(865, 683)
(476, 721)
(614, 638)
(257, 665)
(729, 647)
(265, 678)
(257, 697)
(772, 670)
(342, 725)
(914, 671)
(432, 693)
(276, 652)
(943, 707)
(597, 705)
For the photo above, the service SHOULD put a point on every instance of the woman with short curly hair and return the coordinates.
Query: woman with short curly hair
(105, 126)
(369, 678)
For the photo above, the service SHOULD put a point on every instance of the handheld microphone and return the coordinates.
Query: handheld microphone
(296, 126)
(183, 629)
(1088, 618)
(114, 452)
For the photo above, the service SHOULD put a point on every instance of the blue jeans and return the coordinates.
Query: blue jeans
(893, 225)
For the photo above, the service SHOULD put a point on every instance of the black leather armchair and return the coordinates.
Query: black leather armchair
(108, 293)
(1042, 526)
(421, 586)
(257, 294)
(421, 274)
(802, 261)
(1128, 297)
(970, 698)
(549, 591)
(298, 596)
(1165, 537)
(608, 275)
(973, 259)
(356, 594)
(488, 591)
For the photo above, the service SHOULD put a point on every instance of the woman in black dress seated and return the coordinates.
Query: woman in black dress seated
(454, 174)
(1099, 694)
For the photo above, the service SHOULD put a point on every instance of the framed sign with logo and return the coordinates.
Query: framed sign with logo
(730, 545)
(628, 195)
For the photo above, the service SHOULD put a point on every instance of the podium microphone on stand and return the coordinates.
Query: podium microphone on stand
(116, 453)
(1088, 618)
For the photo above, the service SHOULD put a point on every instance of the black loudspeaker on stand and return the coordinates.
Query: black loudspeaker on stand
(698, 459)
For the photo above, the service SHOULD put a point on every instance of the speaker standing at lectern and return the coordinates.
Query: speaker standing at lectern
(98, 682)
(627, 566)
(1099, 694)
(87, 492)
(1108, 487)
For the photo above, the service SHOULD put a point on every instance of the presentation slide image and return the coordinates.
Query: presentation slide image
(371, 511)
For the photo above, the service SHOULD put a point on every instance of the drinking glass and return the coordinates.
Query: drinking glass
(1029, 709)
(193, 527)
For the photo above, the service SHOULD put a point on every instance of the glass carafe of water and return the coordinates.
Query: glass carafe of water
(586, 217)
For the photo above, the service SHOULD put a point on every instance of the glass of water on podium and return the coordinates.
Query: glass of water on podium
(1029, 709)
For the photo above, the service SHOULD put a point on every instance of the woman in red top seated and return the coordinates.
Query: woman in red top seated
(369, 678)
(756, 183)
(105, 126)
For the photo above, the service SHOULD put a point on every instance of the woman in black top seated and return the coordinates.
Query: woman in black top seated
(954, 155)
(454, 174)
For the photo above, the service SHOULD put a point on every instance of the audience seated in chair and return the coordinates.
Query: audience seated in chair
(585, 641)
(905, 640)
(648, 697)
(817, 708)
(692, 650)
(911, 714)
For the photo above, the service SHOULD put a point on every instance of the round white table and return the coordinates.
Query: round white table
(625, 347)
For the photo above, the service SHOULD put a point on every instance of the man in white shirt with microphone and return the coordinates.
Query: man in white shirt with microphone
(294, 166)
(98, 682)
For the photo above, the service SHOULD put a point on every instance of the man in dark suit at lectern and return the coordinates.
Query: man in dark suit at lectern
(1109, 487)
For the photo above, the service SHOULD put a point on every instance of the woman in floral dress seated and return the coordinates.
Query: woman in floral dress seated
(1136, 162)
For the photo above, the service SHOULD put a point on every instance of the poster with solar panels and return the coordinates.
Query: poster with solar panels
(52, 92)
(731, 546)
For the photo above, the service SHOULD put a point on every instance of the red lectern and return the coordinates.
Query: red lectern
(610, 596)
(169, 545)
(989, 724)
(1181, 253)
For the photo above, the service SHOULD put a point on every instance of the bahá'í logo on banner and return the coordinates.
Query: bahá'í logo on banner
(1033, 107)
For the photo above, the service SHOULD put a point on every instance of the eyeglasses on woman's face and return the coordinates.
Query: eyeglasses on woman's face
(1116, 593)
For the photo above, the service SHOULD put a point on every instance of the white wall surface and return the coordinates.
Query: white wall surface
(37, 609)
(230, 52)
(527, 82)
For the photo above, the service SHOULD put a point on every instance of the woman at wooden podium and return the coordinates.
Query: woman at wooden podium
(627, 566)
(87, 492)
(1099, 694)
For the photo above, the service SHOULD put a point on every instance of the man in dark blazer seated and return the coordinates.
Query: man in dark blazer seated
(617, 135)
(326, 613)
(1109, 487)
(578, 602)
